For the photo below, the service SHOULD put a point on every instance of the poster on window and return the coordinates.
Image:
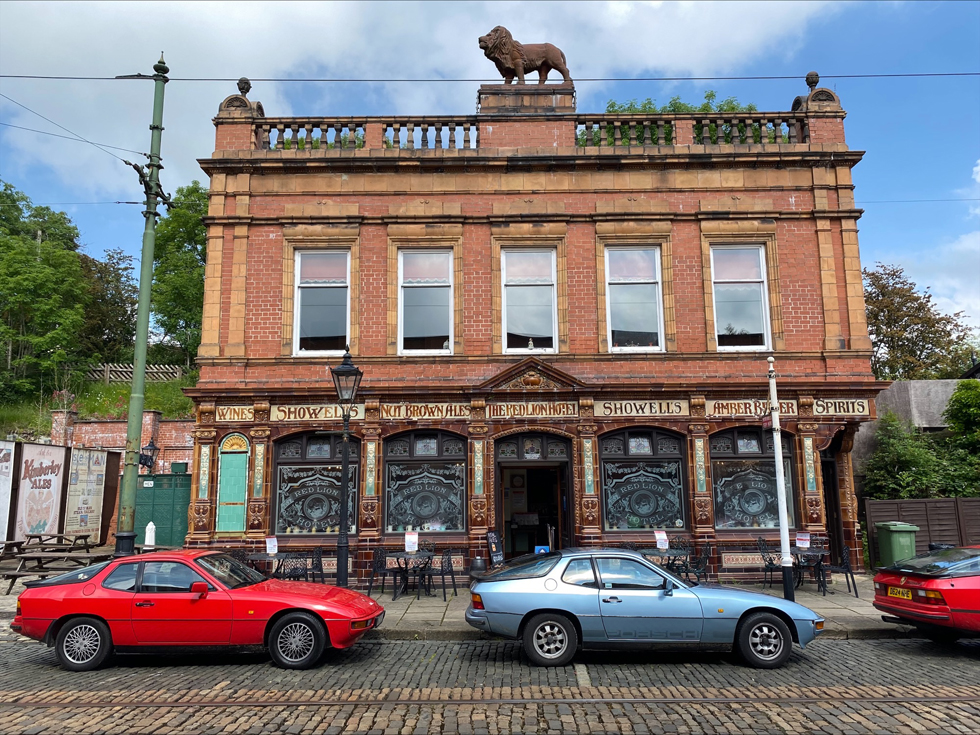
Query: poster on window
(426, 497)
(39, 498)
(745, 494)
(642, 495)
(6, 482)
(86, 485)
(309, 499)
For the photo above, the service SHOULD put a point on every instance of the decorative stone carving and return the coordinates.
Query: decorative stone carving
(697, 406)
(205, 413)
(372, 410)
(586, 408)
(478, 506)
(244, 86)
(813, 513)
(256, 514)
(805, 405)
(262, 433)
(816, 99)
(260, 411)
(590, 511)
(698, 428)
(478, 430)
(587, 429)
(204, 434)
(369, 513)
(513, 58)
(808, 427)
(234, 443)
(200, 519)
(702, 511)
(531, 380)
(478, 409)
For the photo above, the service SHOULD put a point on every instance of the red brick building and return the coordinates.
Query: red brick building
(563, 321)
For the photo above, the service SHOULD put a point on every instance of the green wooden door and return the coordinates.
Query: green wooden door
(163, 499)
(232, 486)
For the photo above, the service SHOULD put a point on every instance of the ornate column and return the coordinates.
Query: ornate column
(369, 517)
(481, 486)
(200, 513)
(257, 520)
(812, 508)
(587, 491)
(702, 507)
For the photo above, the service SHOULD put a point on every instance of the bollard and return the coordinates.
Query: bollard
(150, 539)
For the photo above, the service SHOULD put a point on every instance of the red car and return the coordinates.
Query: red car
(189, 598)
(938, 592)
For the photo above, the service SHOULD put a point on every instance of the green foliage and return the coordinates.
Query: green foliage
(101, 401)
(962, 415)
(300, 143)
(109, 329)
(675, 106)
(180, 254)
(910, 338)
(909, 464)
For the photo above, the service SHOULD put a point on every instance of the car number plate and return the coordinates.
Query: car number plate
(899, 592)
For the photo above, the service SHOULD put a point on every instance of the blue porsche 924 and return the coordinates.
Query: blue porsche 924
(609, 598)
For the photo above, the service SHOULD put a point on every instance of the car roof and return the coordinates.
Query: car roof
(175, 554)
(585, 551)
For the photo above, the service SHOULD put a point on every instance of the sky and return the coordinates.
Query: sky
(921, 135)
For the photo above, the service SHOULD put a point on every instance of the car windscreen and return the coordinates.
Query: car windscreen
(524, 567)
(229, 571)
(940, 563)
(75, 576)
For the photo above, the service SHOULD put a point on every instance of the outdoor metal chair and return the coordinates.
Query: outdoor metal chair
(316, 565)
(769, 561)
(429, 573)
(238, 554)
(427, 545)
(699, 565)
(680, 553)
(293, 566)
(812, 562)
(843, 568)
(415, 568)
(379, 565)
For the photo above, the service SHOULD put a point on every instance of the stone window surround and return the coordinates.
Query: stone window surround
(319, 238)
(530, 236)
(765, 237)
(424, 237)
(639, 234)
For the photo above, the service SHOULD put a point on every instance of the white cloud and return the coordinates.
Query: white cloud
(362, 40)
(951, 271)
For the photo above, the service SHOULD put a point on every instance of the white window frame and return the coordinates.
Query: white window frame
(767, 324)
(297, 304)
(401, 301)
(554, 301)
(658, 280)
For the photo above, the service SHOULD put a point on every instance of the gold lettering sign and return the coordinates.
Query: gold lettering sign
(422, 411)
(841, 407)
(326, 412)
(539, 410)
(619, 409)
(234, 413)
(751, 408)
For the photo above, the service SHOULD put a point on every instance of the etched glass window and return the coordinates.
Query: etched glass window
(322, 301)
(529, 309)
(744, 481)
(642, 479)
(633, 298)
(425, 496)
(741, 313)
(426, 319)
(309, 499)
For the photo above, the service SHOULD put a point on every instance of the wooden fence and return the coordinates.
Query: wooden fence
(940, 521)
(119, 373)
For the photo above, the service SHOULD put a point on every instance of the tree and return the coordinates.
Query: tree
(910, 338)
(109, 328)
(962, 415)
(42, 296)
(178, 271)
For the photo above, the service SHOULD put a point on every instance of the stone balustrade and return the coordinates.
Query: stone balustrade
(422, 133)
(611, 130)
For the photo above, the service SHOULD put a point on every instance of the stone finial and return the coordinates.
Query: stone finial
(515, 59)
(812, 80)
(244, 86)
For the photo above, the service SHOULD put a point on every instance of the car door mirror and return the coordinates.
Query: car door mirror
(668, 588)
(200, 589)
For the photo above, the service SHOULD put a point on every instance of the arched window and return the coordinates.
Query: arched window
(308, 479)
(743, 473)
(642, 480)
(425, 482)
(232, 484)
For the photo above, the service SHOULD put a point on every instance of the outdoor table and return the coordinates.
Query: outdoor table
(10, 549)
(262, 558)
(816, 554)
(58, 539)
(37, 564)
(401, 585)
(672, 556)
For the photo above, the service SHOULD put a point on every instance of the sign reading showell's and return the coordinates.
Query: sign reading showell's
(323, 412)
(641, 408)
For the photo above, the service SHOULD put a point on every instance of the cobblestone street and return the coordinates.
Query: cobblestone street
(835, 686)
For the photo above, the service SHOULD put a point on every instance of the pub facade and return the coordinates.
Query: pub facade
(563, 322)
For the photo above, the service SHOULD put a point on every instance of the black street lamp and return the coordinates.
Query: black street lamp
(346, 379)
(148, 456)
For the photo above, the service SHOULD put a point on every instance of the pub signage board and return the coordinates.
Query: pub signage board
(747, 408)
(641, 408)
(841, 407)
(532, 410)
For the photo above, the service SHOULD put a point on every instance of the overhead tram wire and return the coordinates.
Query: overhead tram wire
(68, 137)
(903, 75)
(79, 137)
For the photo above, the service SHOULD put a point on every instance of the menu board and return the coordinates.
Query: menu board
(6, 482)
(496, 551)
(40, 473)
(86, 486)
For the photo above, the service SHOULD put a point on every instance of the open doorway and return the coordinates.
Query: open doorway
(535, 509)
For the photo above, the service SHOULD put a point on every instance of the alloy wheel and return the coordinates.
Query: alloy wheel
(766, 641)
(82, 644)
(550, 639)
(296, 641)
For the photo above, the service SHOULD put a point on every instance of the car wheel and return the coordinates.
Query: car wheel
(764, 641)
(83, 644)
(940, 635)
(550, 640)
(297, 640)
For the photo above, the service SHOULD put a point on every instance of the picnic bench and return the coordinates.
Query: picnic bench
(43, 555)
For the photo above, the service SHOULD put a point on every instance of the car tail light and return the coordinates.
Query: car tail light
(477, 601)
(929, 597)
(882, 588)
(18, 609)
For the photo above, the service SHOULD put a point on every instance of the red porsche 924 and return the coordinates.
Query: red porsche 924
(189, 598)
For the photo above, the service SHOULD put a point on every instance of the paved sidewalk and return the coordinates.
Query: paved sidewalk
(429, 618)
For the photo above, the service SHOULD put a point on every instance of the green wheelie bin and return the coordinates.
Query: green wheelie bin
(896, 541)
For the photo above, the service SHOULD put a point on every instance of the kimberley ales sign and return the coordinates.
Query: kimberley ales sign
(39, 503)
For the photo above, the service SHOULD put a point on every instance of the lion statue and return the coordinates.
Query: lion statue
(517, 59)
